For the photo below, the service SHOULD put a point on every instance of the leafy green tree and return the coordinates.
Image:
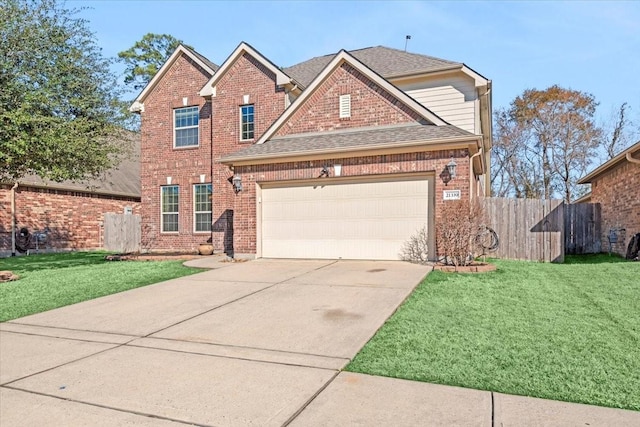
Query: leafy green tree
(544, 143)
(59, 108)
(145, 57)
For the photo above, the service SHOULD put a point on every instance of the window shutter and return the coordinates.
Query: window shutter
(345, 106)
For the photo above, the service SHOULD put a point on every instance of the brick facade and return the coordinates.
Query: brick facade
(159, 160)
(246, 77)
(74, 218)
(370, 105)
(618, 192)
(369, 166)
(248, 81)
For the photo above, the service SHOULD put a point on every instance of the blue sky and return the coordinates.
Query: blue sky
(588, 46)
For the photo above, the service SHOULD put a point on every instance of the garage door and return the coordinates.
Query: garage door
(344, 219)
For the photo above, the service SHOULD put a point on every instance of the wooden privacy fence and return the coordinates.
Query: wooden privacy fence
(527, 229)
(122, 232)
(543, 230)
(582, 228)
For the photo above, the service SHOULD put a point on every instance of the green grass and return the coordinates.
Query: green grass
(566, 332)
(50, 281)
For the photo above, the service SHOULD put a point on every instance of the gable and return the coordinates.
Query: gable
(198, 61)
(244, 74)
(183, 78)
(385, 61)
(246, 81)
(246, 51)
(371, 105)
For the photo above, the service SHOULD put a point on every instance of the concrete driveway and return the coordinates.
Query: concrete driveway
(244, 343)
(254, 343)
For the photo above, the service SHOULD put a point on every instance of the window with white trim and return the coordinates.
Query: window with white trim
(202, 207)
(247, 121)
(345, 106)
(185, 121)
(169, 198)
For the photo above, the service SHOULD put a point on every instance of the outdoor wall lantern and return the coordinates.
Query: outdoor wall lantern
(237, 183)
(451, 167)
(324, 172)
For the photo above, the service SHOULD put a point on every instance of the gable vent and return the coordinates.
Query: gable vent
(345, 106)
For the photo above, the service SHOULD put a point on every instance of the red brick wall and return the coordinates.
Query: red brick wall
(245, 77)
(74, 218)
(432, 161)
(160, 160)
(618, 192)
(370, 105)
(235, 215)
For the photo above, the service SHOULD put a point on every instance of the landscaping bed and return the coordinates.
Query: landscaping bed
(566, 332)
(160, 256)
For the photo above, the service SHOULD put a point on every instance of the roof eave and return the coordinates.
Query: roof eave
(282, 79)
(138, 104)
(61, 187)
(414, 74)
(610, 164)
(470, 141)
(341, 57)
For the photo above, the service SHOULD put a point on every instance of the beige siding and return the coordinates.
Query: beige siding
(451, 98)
(349, 220)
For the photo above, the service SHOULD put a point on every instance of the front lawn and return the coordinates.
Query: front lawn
(49, 281)
(567, 332)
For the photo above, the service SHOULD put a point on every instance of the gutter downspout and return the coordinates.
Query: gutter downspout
(471, 175)
(210, 101)
(631, 159)
(13, 219)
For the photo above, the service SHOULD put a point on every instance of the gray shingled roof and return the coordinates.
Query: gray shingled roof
(211, 65)
(347, 140)
(385, 61)
(123, 180)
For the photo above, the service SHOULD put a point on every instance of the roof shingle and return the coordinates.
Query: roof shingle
(122, 180)
(347, 140)
(385, 61)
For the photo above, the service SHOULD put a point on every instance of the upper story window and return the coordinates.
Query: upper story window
(185, 122)
(246, 122)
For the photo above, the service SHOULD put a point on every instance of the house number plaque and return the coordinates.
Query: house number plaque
(451, 195)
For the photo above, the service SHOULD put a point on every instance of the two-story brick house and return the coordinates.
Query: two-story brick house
(341, 156)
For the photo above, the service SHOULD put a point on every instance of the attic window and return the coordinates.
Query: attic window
(345, 106)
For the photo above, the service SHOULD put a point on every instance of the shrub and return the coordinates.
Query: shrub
(456, 230)
(416, 249)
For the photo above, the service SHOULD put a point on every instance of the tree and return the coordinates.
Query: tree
(59, 108)
(145, 57)
(621, 133)
(545, 141)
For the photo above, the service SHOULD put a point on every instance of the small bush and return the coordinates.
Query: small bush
(416, 249)
(456, 231)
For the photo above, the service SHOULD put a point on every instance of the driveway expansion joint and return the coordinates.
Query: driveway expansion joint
(311, 399)
(126, 411)
(235, 300)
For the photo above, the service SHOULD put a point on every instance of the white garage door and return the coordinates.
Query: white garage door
(349, 220)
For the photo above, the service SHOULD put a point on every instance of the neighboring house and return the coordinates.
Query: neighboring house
(616, 186)
(341, 156)
(72, 212)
